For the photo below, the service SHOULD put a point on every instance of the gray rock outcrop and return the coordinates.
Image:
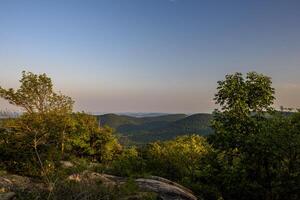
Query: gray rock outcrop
(7, 196)
(166, 189)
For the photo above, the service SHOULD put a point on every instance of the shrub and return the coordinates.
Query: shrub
(128, 163)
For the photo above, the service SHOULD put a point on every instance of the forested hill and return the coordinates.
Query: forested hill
(147, 129)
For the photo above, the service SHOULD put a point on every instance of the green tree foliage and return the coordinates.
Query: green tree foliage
(48, 130)
(257, 145)
(89, 140)
(271, 157)
(129, 163)
(43, 126)
(105, 144)
(178, 158)
(243, 102)
(239, 95)
(33, 138)
(36, 95)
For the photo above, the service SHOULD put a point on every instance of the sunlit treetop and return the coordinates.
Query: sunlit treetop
(243, 95)
(36, 95)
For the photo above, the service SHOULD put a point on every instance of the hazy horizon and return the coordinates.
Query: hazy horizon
(116, 56)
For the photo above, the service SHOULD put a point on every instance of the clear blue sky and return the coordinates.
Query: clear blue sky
(150, 55)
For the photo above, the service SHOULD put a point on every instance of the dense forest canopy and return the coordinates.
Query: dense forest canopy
(252, 151)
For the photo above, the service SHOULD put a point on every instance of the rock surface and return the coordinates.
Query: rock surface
(93, 177)
(170, 182)
(66, 164)
(166, 189)
(7, 196)
(8, 182)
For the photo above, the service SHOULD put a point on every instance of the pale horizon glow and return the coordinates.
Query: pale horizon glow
(150, 56)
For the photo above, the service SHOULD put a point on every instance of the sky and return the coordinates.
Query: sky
(150, 55)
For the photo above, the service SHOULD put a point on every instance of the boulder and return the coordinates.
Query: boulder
(66, 164)
(5, 184)
(10, 182)
(170, 182)
(7, 196)
(92, 178)
(165, 189)
(15, 181)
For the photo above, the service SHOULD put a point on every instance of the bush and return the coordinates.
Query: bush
(128, 163)
(177, 158)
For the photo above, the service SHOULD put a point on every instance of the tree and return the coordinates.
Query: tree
(255, 94)
(105, 145)
(258, 146)
(178, 158)
(129, 163)
(36, 95)
(242, 102)
(42, 128)
(90, 140)
(48, 128)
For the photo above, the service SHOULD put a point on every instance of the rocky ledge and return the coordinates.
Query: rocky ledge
(164, 188)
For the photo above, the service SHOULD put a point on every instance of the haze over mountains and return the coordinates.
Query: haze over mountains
(160, 127)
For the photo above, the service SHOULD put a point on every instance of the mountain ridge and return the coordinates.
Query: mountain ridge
(163, 127)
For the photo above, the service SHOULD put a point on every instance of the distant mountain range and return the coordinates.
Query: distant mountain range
(134, 114)
(158, 127)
